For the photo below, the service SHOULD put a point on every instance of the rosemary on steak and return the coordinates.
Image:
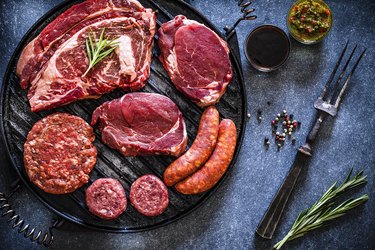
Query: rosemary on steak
(97, 50)
(322, 211)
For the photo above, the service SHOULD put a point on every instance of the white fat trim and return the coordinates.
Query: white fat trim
(172, 130)
(126, 57)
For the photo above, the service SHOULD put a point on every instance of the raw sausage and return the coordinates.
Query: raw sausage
(199, 152)
(215, 167)
(106, 198)
(149, 195)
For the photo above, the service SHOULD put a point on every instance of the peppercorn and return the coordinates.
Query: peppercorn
(290, 133)
(277, 138)
(283, 135)
(248, 115)
(284, 112)
(276, 119)
(273, 122)
(279, 145)
(287, 118)
(277, 133)
(299, 124)
(291, 116)
(284, 122)
(290, 130)
(278, 115)
(268, 143)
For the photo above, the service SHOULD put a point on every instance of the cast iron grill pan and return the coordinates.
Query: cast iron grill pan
(17, 120)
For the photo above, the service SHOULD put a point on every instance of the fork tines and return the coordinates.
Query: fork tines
(327, 100)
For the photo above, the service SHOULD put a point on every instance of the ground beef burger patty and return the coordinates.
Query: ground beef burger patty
(106, 198)
(149, 195)
(59, 154)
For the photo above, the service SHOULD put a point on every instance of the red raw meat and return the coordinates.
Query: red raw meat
(196, 58)
(142, 124)
(54, 62)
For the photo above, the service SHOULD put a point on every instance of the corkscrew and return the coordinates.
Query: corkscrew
(16, 222)
(244, 5)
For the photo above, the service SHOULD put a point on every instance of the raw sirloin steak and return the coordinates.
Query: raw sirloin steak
(142, 124)
(196, 58)
(54, 62)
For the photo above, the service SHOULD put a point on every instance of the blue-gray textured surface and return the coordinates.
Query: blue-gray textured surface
(229, 218)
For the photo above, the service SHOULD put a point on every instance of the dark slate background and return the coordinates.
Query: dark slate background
(229, 218)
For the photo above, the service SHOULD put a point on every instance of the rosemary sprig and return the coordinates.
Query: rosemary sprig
(97, 50)
(322, 211)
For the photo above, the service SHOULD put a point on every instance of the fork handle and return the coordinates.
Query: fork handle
(307, 147)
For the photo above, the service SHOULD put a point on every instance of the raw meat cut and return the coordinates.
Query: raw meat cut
(196, 58)
(149, 195)
(54, 62)
(142, 124)
(106, 198)
(59, 153)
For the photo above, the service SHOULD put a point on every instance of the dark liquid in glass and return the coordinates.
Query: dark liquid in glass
(267, 47)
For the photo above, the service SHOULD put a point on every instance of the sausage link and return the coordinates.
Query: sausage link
(216, 166)
(199, 152)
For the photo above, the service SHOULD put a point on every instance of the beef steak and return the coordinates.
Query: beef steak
(196, 58)
(54, 62)
(142, 124)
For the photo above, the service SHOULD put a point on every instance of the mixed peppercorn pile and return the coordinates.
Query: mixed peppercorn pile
(288, 126)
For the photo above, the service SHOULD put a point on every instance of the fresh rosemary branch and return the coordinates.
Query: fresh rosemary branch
(97, 50)
(322, 211)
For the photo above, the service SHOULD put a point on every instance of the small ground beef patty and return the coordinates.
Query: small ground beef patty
(149, 195)
(59, 154)
(106, 198)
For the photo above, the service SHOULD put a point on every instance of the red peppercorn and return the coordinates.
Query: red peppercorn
(295, 124)
(273, 122)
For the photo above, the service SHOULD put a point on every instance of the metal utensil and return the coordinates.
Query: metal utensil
(325, 107)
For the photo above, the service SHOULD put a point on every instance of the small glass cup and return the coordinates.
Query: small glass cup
(285, 51)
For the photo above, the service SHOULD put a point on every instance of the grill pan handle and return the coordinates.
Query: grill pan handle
(247, 15)
(15, 220)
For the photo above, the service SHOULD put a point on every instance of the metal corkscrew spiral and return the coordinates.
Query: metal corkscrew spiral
(244, 5)
(15, 220)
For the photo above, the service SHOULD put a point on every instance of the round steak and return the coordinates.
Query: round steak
(149, 195)
(106, 198)
(59, 153)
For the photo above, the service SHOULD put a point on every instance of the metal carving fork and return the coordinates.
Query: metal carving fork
(325, 106)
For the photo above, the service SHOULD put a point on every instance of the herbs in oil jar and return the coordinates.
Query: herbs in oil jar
(309, 21)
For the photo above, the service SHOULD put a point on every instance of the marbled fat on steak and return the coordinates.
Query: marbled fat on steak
(142, 124)
(54, 62)
(196, 58)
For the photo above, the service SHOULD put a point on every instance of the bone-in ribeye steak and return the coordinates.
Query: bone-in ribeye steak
(54, 62)
(196, 58)
(142, 124)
